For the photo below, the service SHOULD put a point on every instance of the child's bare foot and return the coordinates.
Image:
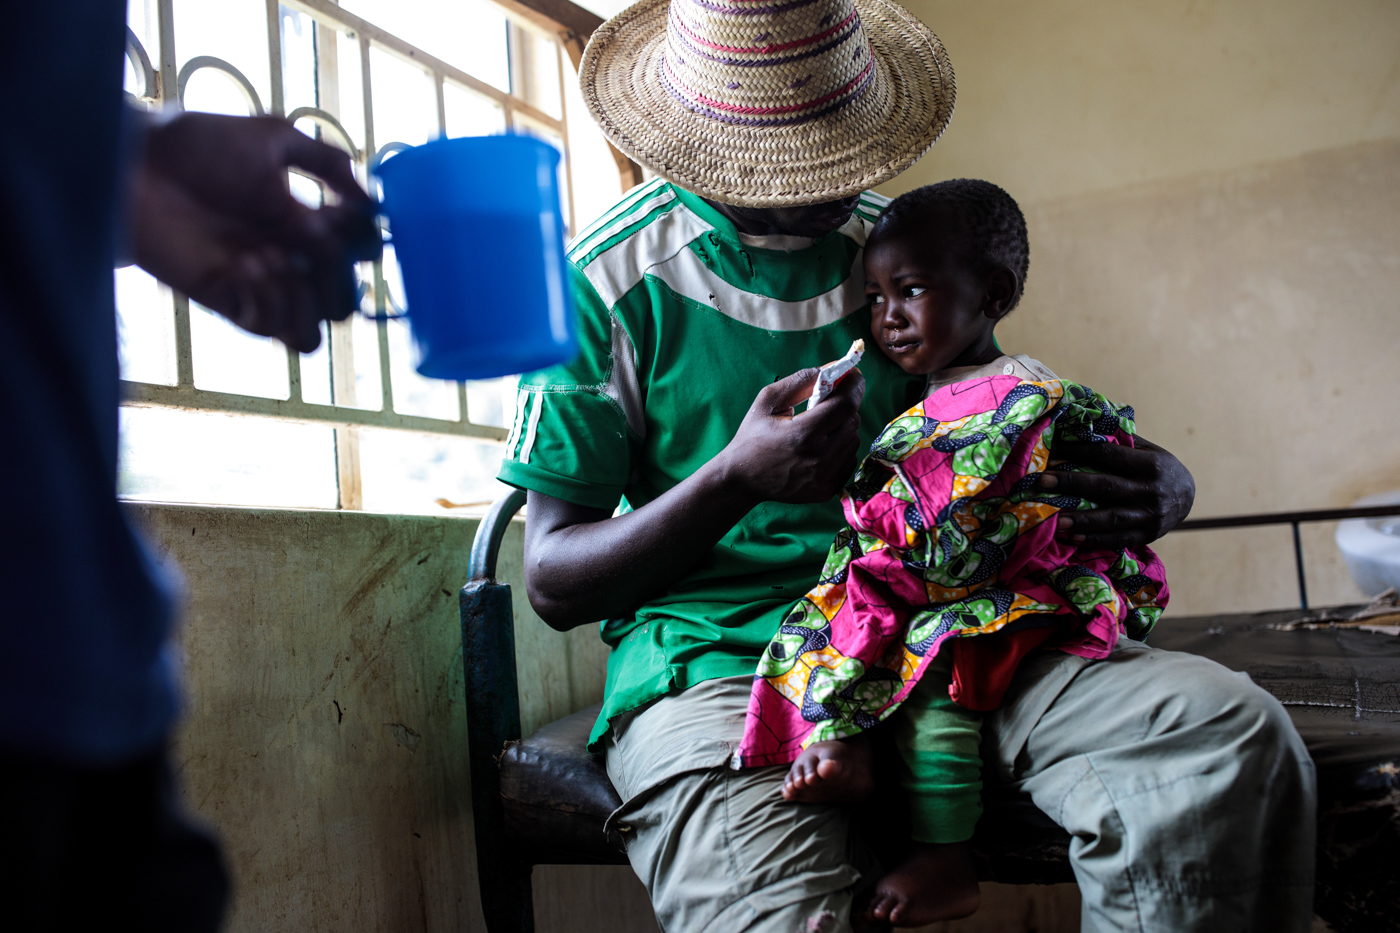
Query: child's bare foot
(935, 882)
(831, 772)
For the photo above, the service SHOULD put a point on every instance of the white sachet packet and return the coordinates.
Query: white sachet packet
(831, 373)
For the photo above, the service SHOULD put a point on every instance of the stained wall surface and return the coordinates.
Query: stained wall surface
(1253, 319)
(324, 732)
(1213, 197)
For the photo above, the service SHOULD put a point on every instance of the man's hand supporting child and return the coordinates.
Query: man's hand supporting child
(1143, 493)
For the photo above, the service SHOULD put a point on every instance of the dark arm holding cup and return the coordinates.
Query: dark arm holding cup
(211, 214)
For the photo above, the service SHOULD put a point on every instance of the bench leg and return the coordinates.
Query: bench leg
(493, 719)
(507, 898)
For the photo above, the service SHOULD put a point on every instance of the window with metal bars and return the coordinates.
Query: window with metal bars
(211, 414)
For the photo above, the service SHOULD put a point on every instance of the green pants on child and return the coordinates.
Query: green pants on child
(940, 758)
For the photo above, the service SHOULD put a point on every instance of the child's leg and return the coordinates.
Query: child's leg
(941, 771)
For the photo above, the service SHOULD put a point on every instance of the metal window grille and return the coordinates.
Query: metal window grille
(162, 80)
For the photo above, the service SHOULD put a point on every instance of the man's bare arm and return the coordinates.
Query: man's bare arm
(581, 565)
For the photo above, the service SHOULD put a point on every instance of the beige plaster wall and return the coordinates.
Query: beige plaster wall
(1253, 319)
(1213, 195)
(1061, 97)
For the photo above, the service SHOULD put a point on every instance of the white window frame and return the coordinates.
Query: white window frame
(160, 78)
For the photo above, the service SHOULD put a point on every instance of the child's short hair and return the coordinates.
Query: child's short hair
(993, 223)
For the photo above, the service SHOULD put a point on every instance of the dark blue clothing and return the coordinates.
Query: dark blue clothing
(85, 672)
(104, 848)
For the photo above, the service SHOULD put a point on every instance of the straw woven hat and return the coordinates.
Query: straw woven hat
(769, 103)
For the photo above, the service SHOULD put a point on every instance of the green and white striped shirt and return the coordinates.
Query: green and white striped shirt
(682, 320)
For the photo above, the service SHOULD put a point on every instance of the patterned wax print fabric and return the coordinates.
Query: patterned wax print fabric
(947, 536)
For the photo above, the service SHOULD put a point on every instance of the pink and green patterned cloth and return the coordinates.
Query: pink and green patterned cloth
(947, 537)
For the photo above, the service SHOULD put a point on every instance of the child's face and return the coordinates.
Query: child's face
(928, 308)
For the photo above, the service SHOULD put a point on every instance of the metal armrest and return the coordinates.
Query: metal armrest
(493, 719)
(486, 547)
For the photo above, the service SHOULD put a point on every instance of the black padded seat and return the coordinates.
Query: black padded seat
(1339, 685)
(557, 796)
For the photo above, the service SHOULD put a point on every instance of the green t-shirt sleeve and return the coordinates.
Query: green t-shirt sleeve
(569, 436)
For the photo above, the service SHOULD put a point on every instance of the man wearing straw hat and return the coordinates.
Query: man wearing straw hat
(705, 297)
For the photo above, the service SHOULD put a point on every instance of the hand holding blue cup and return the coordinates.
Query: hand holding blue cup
(479, 239)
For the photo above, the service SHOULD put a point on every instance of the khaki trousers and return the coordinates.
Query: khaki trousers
(1189, 796)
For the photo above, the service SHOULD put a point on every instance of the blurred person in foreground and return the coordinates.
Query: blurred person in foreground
(90, 835)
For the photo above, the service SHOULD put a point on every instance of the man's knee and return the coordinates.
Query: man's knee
(1274, 758)
(1201, 694)
(1240, 724)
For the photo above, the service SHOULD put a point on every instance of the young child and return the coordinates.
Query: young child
(948, 572)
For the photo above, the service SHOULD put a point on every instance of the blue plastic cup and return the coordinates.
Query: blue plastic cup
(479, 239)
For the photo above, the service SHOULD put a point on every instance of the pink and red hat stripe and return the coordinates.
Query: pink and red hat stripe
(755, 9)
(851, 24)
(756, 63)
(694, 40)
(760, 116)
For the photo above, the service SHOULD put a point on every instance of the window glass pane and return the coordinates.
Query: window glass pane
(412, 392)
(316, 371)
(141, 18)
(330, 137)
(415, 394)
(298, 60)
(492, 401)
(416, 473)
(597, 184)
(539, 74)
(212, 91)
(349, 104)
(405, 103)
(227, 359)
(182, 456)
(394, 301)
(305, 189)
(145, 327)
(364, 348)
(311, 72)
(471, 114)
(232, 30)
(468, 34)
(131, 82)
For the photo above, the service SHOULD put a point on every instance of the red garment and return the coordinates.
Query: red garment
(983, 667)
